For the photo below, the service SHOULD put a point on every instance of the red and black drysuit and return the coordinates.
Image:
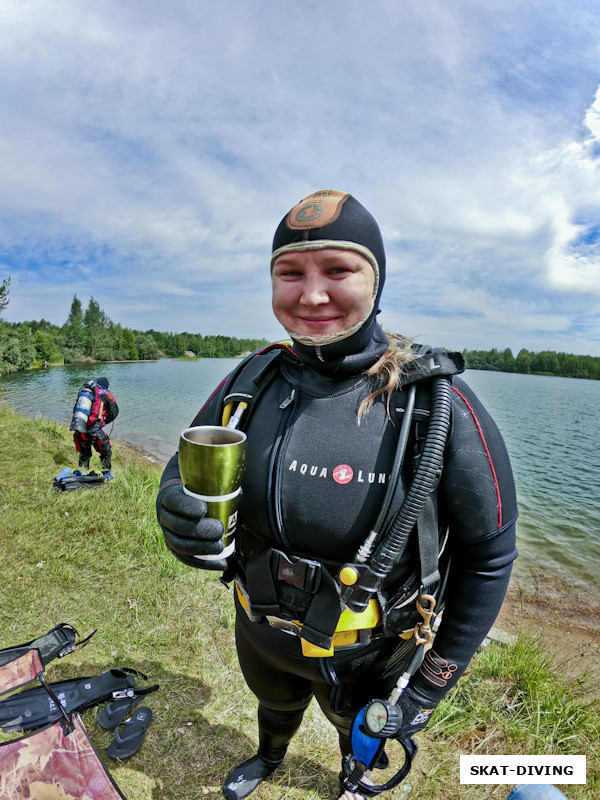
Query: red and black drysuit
(103, 411)
(314, 483)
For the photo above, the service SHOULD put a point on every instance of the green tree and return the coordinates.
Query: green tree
(46, 348)
(4, 294)
(16, 348)
(181, 344)
(545, 361)
(523, 362)
(96, 324)
(131, 351)
(146, 347)
(73, 328)
(170, 347)
(195, 342)
(160, 339)
(508, 360)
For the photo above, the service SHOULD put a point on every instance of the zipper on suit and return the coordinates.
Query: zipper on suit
(289, 407)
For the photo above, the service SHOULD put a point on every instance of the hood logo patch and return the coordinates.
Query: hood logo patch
(309, 212)
(317, 210)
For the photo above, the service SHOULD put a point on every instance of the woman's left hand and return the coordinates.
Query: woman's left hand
(348, 795)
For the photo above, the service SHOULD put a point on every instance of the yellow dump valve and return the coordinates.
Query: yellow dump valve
(348, 576)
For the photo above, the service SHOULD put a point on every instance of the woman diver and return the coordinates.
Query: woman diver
(331, 484)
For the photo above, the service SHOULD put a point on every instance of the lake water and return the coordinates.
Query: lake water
(550, 426)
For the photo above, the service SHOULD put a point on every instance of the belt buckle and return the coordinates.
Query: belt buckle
(285, 625)
(299, 572)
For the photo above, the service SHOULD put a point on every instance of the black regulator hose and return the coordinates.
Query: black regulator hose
(426, 477)
(351, 775)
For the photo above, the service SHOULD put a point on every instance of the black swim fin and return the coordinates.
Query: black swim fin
(33, 708)
(55, 644)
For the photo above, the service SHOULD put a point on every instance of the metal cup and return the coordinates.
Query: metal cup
(211, 464)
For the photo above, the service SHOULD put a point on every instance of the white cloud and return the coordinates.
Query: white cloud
(592, 119)
(150, 149)
(573, 256)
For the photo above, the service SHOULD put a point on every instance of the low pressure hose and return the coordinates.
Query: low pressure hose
(399, 457)
(424, 482)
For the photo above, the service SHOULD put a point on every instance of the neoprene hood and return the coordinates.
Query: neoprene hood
(326, 219)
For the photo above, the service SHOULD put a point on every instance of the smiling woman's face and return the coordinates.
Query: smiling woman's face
(318, 292)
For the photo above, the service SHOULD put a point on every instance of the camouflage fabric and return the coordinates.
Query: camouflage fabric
(21, 671)
(48, 765)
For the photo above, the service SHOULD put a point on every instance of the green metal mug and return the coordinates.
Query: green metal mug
(211, 464)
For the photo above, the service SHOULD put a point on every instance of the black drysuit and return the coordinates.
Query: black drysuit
(314, 482)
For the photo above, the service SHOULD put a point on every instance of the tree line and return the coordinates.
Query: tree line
(546, 362)
(89, 335)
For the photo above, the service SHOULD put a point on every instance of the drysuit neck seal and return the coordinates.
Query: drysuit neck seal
(347, 357)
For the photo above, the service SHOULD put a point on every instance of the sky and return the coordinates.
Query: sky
(148, 151)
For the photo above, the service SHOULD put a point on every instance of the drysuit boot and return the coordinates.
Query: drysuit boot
(275, 729)
(245, 778)
(105, 463)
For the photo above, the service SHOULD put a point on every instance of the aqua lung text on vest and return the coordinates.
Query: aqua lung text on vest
(322, 472)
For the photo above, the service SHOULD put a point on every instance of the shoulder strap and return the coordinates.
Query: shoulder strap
(96, 405)
(251, 378)
(434, 364)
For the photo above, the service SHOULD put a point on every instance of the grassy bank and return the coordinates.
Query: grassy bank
(95, 558)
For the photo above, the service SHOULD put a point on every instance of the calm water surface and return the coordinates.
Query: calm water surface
(550, 426)
(157, 399)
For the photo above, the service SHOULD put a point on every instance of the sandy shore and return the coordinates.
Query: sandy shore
(566, 619)
(139, 452)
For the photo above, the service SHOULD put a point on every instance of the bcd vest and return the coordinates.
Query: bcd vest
(276, 583)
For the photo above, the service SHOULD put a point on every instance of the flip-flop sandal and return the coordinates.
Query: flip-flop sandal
(116, 710)
(129, 735)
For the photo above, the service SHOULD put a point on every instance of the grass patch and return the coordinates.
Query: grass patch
(95, 558)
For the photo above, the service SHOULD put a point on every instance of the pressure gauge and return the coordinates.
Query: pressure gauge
(382, 719)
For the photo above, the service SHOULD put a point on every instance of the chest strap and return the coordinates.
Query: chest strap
(250, 379)
(325, 607)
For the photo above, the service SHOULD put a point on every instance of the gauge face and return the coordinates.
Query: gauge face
(376, 715)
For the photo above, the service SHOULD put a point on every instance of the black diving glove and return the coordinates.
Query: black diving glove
(187, 530)
(416, 712)
(430, 683)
